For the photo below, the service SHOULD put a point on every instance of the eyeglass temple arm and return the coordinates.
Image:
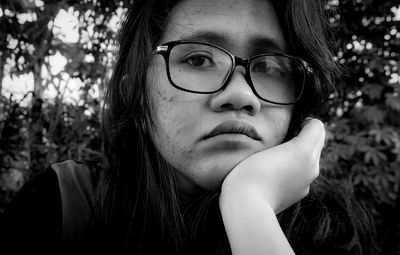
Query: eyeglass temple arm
(309, 69)
(160, 49)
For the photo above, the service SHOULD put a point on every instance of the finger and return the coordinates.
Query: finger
(311, 136)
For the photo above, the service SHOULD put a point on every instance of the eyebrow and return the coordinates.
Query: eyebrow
(257, 44)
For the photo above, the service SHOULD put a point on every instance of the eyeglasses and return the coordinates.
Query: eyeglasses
(204, 68)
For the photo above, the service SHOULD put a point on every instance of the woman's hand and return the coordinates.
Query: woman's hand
(263, 185)
(280, 175)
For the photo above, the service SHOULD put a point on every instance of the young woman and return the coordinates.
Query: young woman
(207, 142)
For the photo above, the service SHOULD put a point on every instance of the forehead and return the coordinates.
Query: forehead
(228, 23)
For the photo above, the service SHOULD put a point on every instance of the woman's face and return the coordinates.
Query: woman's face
(183, 121)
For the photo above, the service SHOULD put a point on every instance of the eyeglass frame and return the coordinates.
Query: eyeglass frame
(164, 50)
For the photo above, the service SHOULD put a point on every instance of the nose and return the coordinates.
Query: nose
(236, 96)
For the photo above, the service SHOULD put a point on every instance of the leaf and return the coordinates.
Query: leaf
(372, 114)
(393, 102)
(373, 90)
(385, 135)
(377, 64)
(374, 156)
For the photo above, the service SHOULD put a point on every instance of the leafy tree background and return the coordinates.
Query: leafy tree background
(362, 117)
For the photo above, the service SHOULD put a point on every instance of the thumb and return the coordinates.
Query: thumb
(311, 136)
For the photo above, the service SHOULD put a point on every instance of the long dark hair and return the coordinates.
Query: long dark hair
(139, 204)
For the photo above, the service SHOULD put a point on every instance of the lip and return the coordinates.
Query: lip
(234, 127)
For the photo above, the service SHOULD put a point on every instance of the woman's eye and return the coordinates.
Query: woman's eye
(260, 67)
(269, 69)
(199, 61)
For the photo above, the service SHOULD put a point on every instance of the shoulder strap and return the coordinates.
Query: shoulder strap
(77, 199)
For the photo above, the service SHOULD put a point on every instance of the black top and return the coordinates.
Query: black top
(32, 223)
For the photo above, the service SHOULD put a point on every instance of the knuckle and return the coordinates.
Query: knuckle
(314, 173)
(311, 174)
(304, 192)
(318, 123)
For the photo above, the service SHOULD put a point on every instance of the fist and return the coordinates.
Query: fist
(280, 175)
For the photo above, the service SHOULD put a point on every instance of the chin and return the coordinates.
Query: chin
(212, 177)
(209, 172)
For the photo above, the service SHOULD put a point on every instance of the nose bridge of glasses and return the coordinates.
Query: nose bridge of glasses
(238, 61)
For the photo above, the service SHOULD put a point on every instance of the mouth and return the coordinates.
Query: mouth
(233, 127)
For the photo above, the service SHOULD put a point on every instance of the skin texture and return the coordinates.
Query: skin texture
(182, 119)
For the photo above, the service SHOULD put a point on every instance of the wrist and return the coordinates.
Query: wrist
(235, 198)
(251, 224)
(244, 193)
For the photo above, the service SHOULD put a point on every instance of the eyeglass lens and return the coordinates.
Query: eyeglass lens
(204, 68)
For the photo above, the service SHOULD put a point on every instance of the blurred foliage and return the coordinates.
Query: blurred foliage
(362, 117)
(69, 131)
(36, 131)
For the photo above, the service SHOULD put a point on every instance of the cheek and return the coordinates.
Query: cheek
(283, 119)
(161, 97)
(172, 117)
(277, 120)
(163, 113)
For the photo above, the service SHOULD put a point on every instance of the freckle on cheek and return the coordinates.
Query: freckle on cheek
(165, 98)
